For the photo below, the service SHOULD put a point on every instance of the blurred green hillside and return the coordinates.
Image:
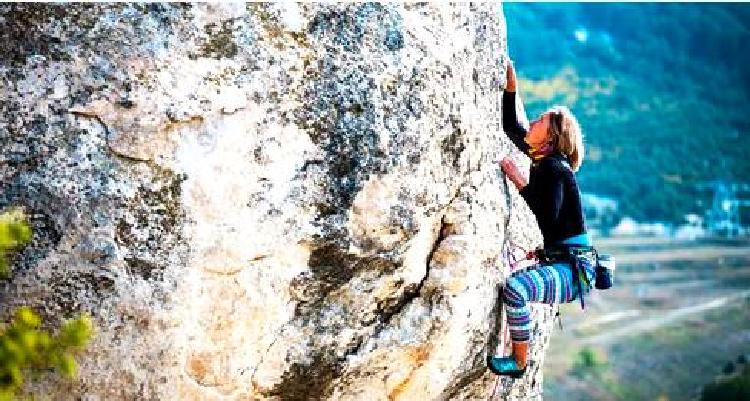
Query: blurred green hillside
(661, 91)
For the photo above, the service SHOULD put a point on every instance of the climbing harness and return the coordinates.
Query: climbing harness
(577, 256)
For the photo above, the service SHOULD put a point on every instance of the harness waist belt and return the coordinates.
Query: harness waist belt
(573, 254)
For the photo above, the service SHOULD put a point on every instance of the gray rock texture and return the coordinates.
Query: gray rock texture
(265, 201)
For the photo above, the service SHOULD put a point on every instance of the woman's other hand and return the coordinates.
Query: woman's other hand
(511, 170)
(510, 77)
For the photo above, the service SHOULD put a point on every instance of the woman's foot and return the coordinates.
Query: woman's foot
(514, 366)
(506, 366)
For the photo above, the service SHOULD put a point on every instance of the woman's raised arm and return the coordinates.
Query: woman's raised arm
(515, 131)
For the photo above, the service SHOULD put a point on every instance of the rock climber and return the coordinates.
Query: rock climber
(555, 144)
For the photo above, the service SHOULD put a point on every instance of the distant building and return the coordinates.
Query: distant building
(729, 212)
(629, 227)
(692, 229)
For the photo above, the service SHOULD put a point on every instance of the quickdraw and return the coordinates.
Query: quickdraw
(510, 259)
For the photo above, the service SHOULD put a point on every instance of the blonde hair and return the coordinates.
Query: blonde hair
(565, 135)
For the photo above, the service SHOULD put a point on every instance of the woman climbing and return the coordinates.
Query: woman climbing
(567, 261)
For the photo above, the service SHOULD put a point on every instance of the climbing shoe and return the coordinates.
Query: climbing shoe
(505, 366)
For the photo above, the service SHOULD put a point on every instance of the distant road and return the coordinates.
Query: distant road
(669, 249)
(654, 322)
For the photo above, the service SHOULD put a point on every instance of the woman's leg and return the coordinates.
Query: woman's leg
(548, 284)
(551, 284)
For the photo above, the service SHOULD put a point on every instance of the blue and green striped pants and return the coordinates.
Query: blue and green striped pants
(550, 284)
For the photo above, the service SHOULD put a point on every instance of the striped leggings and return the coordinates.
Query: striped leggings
(550, 284)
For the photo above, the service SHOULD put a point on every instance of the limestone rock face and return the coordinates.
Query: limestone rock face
(265, 201)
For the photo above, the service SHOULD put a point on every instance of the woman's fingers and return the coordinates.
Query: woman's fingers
(514, 174)
(507, 161)
(508, 166)
(510, 77)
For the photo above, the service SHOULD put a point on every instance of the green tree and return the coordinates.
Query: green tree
(14, 233)
(588, 364)
(25, 347)
(732, 388)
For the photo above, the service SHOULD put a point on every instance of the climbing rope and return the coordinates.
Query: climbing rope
(510, 260)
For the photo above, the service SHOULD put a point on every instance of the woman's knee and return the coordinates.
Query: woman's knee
(514, 293)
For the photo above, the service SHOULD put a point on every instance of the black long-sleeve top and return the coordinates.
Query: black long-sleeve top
(552, 192)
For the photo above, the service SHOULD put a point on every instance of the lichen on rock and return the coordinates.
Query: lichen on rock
(264, 201)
